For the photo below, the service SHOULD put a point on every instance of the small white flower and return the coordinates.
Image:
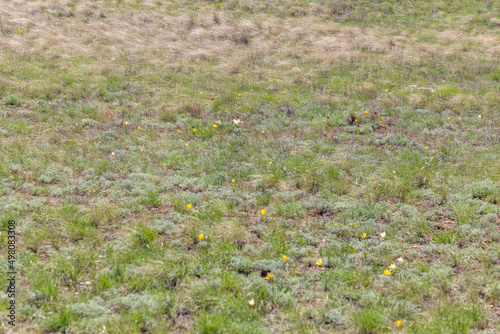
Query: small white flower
(112, 153)
(479, 116)
(251, 302)
(237, 121)
(401, 260)
(218, 122)
(392, 266)
(382, 235)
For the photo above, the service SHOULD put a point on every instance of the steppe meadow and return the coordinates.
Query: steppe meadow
(238, 166)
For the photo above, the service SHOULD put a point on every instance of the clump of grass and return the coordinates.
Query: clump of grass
(168, 116)
(12, 100)
(194, 110)
(60, 321)
(487, 191)
(369, 321)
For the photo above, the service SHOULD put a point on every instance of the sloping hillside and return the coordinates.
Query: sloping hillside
(250, 167)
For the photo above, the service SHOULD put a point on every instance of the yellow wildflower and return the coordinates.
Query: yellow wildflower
(399, 323)
(285, 257)
(263, 211)
(387, 272)
(319, 262)
(190, 206)
(200, 236)
(363, 235)
(269, 276)
(233, 180)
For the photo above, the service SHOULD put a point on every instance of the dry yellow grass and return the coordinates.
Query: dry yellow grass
(148, 33)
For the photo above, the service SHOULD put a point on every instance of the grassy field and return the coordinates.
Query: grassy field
(234, 166)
